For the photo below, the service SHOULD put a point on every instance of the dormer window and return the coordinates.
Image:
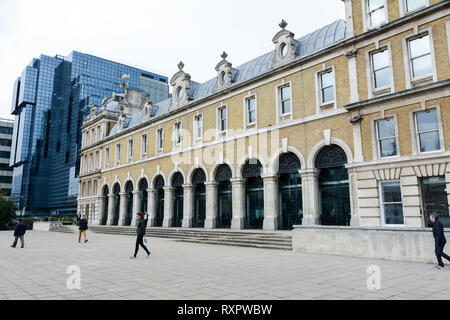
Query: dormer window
(180, 93)
(222, 77)
(283, 50)
(224, 73)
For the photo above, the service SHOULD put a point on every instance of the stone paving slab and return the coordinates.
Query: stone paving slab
(188, 271)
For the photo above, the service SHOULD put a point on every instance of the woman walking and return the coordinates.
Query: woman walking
(142, 224)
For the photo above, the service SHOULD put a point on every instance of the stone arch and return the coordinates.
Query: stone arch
(116, 187)
(128, 179)
(156, 175)
(126, 189)
(322, 143)
(212, 173)
(104, 188)
(244, 161)
(141, 180)
(174, 171)
(199, 174)
(273, 166)
(192, 170)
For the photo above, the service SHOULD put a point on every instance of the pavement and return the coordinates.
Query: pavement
(187, 271)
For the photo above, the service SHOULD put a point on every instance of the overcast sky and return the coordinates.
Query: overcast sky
(153, 35)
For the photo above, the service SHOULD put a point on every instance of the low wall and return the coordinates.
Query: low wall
(412, 244)
(45, 226)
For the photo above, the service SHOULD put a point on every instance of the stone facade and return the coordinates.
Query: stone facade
(312, 99)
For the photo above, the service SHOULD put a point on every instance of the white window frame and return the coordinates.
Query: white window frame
(372, 91)
(118, 151)
(289, 115)
(92, 136)
(197, 137)
(89, 188)
(382, 213)
(86, 163)
(415, 134)
(330, 105)
(97, 158)
(159, 138)
(375, 141)
(144, 145)
(415, 81)
(177, 133)
(247, 124)
(91, 162)
(130, 149)
(366, 15)
(220, 130)
(402, 4)
(107, 158)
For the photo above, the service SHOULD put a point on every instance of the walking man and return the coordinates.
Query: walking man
(142, 224)
(439, 240)
(82, 226)
(19, 232)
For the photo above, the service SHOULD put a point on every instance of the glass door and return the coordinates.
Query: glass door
(199, 206)
(290, 200)
(225, 205)
(254, 203)
(178, 207)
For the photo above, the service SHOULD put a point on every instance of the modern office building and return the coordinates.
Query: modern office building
(49, 102)
(345, 127)
(6, 132)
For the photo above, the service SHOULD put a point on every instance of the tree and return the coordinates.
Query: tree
(7, 210)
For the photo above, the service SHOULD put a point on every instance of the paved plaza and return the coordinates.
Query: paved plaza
(178, 270)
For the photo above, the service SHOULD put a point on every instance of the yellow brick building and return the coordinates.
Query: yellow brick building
(345, 126)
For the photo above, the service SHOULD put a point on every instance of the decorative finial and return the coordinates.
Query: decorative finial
(181, 65)
(224, 55)
(283, 24)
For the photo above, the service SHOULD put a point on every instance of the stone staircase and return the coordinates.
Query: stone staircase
(281, 240)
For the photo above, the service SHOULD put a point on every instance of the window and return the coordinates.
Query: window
(420, 56)
(223, 119)
(98, 133)
(326, 87)
(107, 158)
(427, 131)
(251, 110)
(376, 12)
(412, 5)
(160, 139)
(85, 163)
(92, 136)
(177, 133)
(434, 199)
(91, 162)
(89, 189)
(285, 100)
(391, 203)
(130, 149)
(283, 50)
(117, 154)
(381, 69)
(198, 122)
(386, 138)
(144, 144)
(97, 160)
(179, 93)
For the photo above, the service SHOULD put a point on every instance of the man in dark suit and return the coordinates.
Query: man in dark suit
(439, 240)
(19, 232)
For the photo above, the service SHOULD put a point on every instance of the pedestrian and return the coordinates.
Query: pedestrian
(140, 230)
(439, 240)
(78, 218)
(46, 219)
(82, 226)
(19, 232)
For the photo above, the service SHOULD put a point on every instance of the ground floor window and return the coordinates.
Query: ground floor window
(116, 211)
(199, 206)
(435, 199)
(255, 203)
(391, 203)
(334, 196)
(225, 205)
(290, 200)
(159, 207)
(178, 207)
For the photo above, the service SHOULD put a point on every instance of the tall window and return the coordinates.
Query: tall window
(144, 144)
(420, 56)
(412, 5)
(285, 100)
(391, 202)
(106, 157)
(387, 141)
(177, 133)
(198, 120)
(117, 154)
(85, 163)
(130, 149)
(98, 133)
(160, 141)
(427, 131)
(251, 110)
(89, 188)
(97, 160)
(381, 70)
(91, 162)
(376, 12)
(223, 115)
(326, 87)
(93, 136)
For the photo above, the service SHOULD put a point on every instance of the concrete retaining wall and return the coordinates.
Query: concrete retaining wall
(412, 244)
(45, 226)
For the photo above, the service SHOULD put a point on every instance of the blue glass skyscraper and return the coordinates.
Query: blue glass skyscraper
(50, 99)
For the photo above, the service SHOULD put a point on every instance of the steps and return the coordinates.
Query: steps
(64, 229)
(281, 240)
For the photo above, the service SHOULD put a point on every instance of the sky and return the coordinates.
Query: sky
(153, 35)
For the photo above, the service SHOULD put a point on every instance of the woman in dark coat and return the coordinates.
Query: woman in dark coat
(142, 224)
